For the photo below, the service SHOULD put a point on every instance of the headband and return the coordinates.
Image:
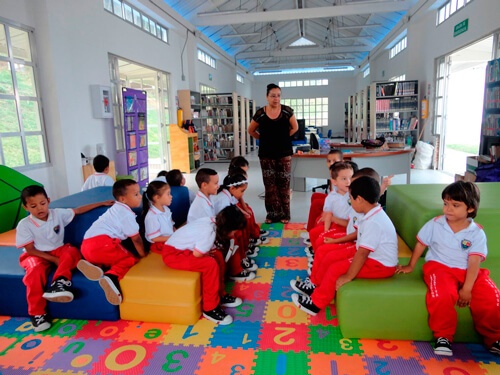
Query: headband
(234, 184)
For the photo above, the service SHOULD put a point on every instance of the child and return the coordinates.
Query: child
(452, 270)
(318, 199)
(193, 248)
(376, 255)
(162, 173)
(102, 242)
(231, 191)
(157, 217)
(100, 177)
(203, 206)
(175, 178)
(42, 235)
(335, 209)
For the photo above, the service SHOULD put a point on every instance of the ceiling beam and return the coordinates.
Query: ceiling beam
(305, 13)
(303, 51)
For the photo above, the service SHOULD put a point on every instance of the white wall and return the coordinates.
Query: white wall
(73, 40)
(340, 86)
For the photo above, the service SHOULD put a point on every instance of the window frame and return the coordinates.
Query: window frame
(299, 105)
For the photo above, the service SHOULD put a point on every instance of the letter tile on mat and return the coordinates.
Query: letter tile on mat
(152, 292)
(390, 348)
(252, 291)
(243, 335)
(218, 361)
(175, 359)
(291, 263)
(338, 364)
(145, 331)
(285, 312)
(198, 334)
(329, 339)
(284, 337)
(281, 362)
(248, 311)
(386, 365)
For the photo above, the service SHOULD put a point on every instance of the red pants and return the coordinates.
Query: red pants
(317, 234)
(325, 292)
(252, 229)
(37, 270)
(211, 267)
(317, 203)
(108, 252)
(327, 254)
(443, 284)
(157, 247)
(234, 263)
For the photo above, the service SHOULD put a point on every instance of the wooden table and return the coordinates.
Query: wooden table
(386, 163)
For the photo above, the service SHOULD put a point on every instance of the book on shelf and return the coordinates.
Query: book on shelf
(413, 123)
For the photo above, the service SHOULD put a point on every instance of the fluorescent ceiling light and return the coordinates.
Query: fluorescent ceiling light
(222, 12)
(238, 35)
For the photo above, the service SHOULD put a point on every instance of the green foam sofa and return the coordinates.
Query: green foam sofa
(394, 308)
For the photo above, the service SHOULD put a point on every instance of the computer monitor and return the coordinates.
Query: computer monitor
(300, 135)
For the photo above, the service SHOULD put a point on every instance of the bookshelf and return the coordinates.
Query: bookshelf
(394, 111)
(351, 119)
(183, 145)
(190, 103)
(490, 127)
(220, 126)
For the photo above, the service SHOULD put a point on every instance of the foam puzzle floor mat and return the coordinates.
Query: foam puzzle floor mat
(269, 336)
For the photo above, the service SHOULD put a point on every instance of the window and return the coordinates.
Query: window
(204, 89)
(366, 71)
(450, 7)
(128, 13)
(402, 77)
(398, 47)
(22, 132)
(240, 78)
(313, 110)
(206, 58)
(308, 82)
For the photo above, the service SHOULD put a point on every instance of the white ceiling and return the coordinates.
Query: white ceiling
(259, 33)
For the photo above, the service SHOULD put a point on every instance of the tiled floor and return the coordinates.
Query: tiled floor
(301, 200)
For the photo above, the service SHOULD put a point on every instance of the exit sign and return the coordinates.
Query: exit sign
(461, 27)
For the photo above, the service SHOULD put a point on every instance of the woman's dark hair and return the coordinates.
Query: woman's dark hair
(231, 179)
(366, 187)
(238, 161)
(466, 192)
(174, 177)
(229, 219)
(155, 187)
(272, 86)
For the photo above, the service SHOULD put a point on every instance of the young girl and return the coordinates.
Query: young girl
(240, 268)
(452, 272)
(199, 246)
(158, 223)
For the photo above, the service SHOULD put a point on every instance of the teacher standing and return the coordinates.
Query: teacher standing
(273, 125)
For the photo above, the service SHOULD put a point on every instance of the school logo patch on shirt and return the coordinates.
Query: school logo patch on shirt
(349, 202)
(466, 244)
(57, 228)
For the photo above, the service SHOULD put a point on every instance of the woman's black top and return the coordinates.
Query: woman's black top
(274, 140)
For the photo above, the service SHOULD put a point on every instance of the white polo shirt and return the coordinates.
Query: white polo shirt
(377, 234)
(158, 223)
(201, 207)
(223, 199)
(449, 248)
(196, 235)
(97, 179)
(117, 222)
(45, 235)
(339, 204)
(354, 218)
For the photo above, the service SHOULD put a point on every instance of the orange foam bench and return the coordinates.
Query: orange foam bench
(8, 238)
(152, 292)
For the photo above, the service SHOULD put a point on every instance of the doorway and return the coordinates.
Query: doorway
(463, 104)
(125, 73)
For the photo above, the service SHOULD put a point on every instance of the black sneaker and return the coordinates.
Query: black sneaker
(253, 251)
(309, 252)
(243, 276)
(443, 347)
(248, 265)
(305, 303)
(218, 316)
(495, 348)
(40, 322)
(230, 301)
(109, 283)
(305, 287)
(255, 242)
(264, 233)
(89, 270)
(59, 291)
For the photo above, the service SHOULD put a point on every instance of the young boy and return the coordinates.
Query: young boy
(318, 199)
(376, 255)
(203, 205)
(175, 178)
(41, 234)
(102, 242)
(452, 272)
(335, 209)
(100, 177)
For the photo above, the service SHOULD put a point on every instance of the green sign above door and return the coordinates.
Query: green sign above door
(461, 27)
